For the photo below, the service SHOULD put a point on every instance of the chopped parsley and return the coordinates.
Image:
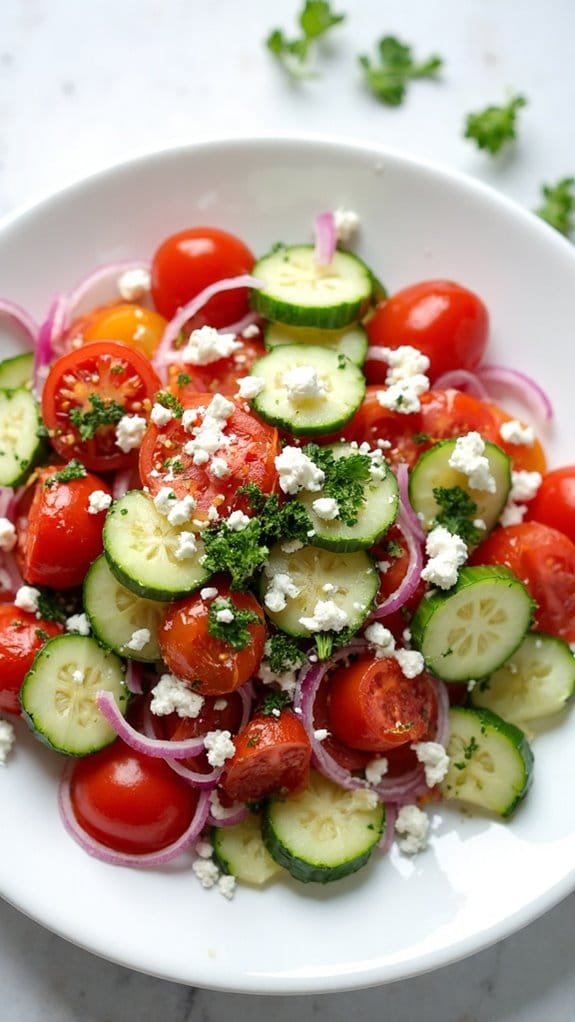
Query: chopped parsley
(52, 606)
(234, 633)
(274, 701)
(183, 378)
(345, 479)
(559, 205)
(282, 653)
(175, 464)
(458, 512)
(102, 413)
(492, 127)
(468, 750)
(314, 20)
(42, 635)
(394, 549)
(388, 78)
(421, 438)
(167, 400)
(73, 470)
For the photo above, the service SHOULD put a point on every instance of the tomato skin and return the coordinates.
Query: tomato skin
(61, 539)
(130, 802)
(131, 324)
(344, 755)
(451, 413)
(113, 372)
(372, 422)
(440, 318)
(544, 560)
(187, 262)
(374, 707)
(554, 502)
(524, 458)
(20, 640)
(273, 754)
(226, 718)
(211, 664)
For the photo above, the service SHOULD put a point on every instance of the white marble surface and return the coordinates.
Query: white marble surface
(87, 83)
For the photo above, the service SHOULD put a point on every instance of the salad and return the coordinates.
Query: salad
(277, 572)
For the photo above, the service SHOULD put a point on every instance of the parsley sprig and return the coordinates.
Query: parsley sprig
(167, 400)
(345, 479)
(282, 654)
(389, 78)
(102, 413)
(274, 701)
(235, 632)
(73, 470)
(314, 20)
(492, 127)
(458, 512)
(559, 205)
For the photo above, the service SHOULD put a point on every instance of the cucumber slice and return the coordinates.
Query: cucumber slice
(20, 445)
(325, 833)
(60, 707)
(473, 628)
(375, 516)
(342, 389)
(348, 580)
(491, 761)
(299, 291)
(432, 470)
(115, 613)
(351, 342)
(140, 545)
(16, 371)
(536, 681)
(240, 850)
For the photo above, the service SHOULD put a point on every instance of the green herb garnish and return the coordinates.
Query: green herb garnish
(468, 750)
(73, 470)
(102, 413)
(458, 513)
(345, 479)
(274, 701)
(492, 127)
(315, 19)
(167, 400)
(235, 632)
(282, 654)
(559, 205)
(389, 78)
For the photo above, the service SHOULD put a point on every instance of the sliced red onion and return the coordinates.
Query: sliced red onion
(228, 816)
(404, 788)
(113, 858)
(155, 747)
(412, 520)
(23, 319)
(97, 286)
(164, 352)
(121, 483)
(250, 319)
(442, 696)
(193, 777)
(44, 350)
(325, 237)
(462, 379)
(134, 678)
(500, 381)
(410, 580)
(6, 502)
(10, 567)
(387, 838)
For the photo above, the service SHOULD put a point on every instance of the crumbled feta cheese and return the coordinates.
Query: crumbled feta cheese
(327, 617)
(302, 383)
(238, 521)
(412, 827)
(219, 468)
(164, 500)
(376, 769)
(326, 508)
(208, 593)
(280, 589)
(479, 524)
(472, 683)
(98, 501)
(160, 415)
(298, 472)
(207, 345)
(186, 546)
(138, 639)
(250, 331)
(189, 418)
(203, 848)
(250, 386)
(172, 695)
(363, 799)
(446, 552)
(524, 485)
(7, 535)
(213, 513)
(209, 436)
(405, 380)
(225, 616)
(286, 681)
(7, 739)
(220, 408)
(404, 363)
(78, 623)
(217, 810)
(180, 511)
(328, 587)
(434, 759)
(410, 661)
(219, 747)
(512, 514)
(227, 885)
(129, 432)
(134, 284)
(220, 704)
(469, 458)
(320, 734)
(27, 599)
(514, 432)
(206, 871)
(289, 546)
(381, 639)
(346, 223)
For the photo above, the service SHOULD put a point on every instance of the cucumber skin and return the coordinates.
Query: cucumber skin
(306, 872)
(16, 371)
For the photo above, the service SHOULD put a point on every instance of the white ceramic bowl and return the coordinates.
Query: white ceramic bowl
(479, 879)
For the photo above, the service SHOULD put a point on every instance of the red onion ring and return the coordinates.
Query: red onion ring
(99, 278)
(325, 238)
(134, 678)
(250, 319)
(412, 521)
(410, 580)
(193, 777)
(10, 566)
(6, 502)
(21, 317)
(387, 838)
(501, 380)
(121, 483)
(44, 350)
(462, 379)
(442, 730)
(231, 815)
(155, 747)
(113, 858)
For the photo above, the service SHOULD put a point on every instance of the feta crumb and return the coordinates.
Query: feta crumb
(207, 345)
(217, 810)
(469, 458)
(172, 695)
(524, 485)
(298, 472)
(134, 284)
(7, 739)
(129, 432)
(434, 759)
(98, 501)
(164, 500)
(410, 661)
(138, 639)
(27, 599)
(286, 681)
(227, 885)
(250, 386)
(327, 617)
(189, 418)
(160, 415)
(363, 799)
(219, 468)
(381, 639)
(213, 513)
(225, 616)
(7, 535)
(320, 734)
(280, 589)
(220, 704)
(203, 848)
(446, 552)
(346, 223)
(238, 521)
(376, 769)
(303, 383)
(186, 546)
(208, 593)
(326, 508)
(411, 826)
(206, 871)
(250, 331)
(472, 683)
(180, 511)
(404, 363)
(514, 432)
(289, 546)
(403, 396)
(219, 747)
(78, 623)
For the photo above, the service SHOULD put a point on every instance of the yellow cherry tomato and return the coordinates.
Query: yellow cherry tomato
(131, 324)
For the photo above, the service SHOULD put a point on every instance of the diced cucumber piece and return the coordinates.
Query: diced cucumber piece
(340, 385)
(350, 581)
(240, 850)
(375, 515)
(536, 681)
(59, 694)
(473, 628)
(491, 762)
(325, 833)
(115, 613)
(352, 341)
(140, 547)
(16, 371)
(432, 470)
(20, 444)
(299, 291)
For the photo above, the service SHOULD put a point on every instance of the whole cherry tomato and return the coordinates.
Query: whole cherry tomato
(273, 755)
(554, 502)
(21, 636)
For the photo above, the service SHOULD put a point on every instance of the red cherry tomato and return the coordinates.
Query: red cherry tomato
(272, 755)
(21, 636)
(346, 757)
(554, 502)
(524, 457)
(443, 320)
(130, 802)
(450, 413)
(187, 262)
(211, 664)
(374, 707)
(372, 422)
(544, 560)
(220, 377)
(98, 383)
(61, 538)
(132, 324)
(217, 714)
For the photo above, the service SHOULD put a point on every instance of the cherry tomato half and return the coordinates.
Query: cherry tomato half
(273, 755)
(133, 325)
(219, 377)
(21, 636)
(443, 320)
(554, 502)
(373, 422)
(187, 262)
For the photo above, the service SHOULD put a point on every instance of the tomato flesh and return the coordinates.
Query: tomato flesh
(219, 377)
(273, 755)
(133, 325)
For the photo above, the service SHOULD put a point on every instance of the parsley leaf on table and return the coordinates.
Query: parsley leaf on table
(388, 80)
(315, 19)
(492, 127)
(559, 205)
